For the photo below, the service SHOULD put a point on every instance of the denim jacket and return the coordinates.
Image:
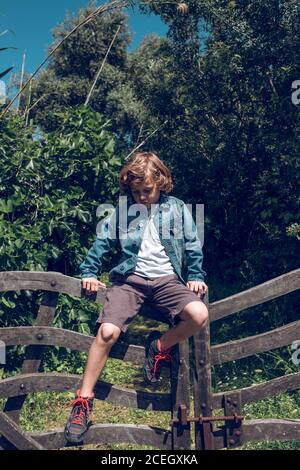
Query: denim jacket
(183, 247)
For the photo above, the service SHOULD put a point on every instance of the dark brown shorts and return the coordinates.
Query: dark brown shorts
(128, 293)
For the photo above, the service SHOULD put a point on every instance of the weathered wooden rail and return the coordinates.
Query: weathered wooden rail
(234, 430)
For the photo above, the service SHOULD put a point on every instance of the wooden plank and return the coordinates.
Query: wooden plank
(271, 430)
(46, 336)
(269, 290)
(59, 382)
(202, 386)
(251, 345)
(139, 435)
(260, 430)
(57, 282)
(253, 431)
(33, 354)
(46, 281)
(260, 391)
(180, 386)
(50, 336)
(14, 434)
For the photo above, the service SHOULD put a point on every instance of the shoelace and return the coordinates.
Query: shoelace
(161, 356)
(81, 404)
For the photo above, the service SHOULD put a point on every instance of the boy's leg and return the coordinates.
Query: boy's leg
(123, 301)
(172, 297)
(193, 318)
(106, 337)
(78, 422)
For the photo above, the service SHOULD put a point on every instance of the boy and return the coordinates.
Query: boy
(154, 248)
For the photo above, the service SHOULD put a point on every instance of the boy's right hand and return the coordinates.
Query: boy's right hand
(91, 284)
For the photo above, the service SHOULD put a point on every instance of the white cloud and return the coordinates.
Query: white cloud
(2, 87)
(2, 92)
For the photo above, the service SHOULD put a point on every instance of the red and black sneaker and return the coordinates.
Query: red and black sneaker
(155, 358)
(78, 422)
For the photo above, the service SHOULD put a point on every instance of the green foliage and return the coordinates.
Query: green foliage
(281, 406)
(294, 230)
(50, 187)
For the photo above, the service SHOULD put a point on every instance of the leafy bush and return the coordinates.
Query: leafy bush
(50, 187)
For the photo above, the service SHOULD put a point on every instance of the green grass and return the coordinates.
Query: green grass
(282, 406)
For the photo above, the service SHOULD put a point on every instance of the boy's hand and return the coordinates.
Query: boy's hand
(199, 287)
(91, 284)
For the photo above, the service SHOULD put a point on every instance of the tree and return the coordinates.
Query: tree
(69, 77)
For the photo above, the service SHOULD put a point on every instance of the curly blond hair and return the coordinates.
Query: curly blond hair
(145, 167)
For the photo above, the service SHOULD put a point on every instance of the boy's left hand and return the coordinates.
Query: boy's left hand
(199, 287)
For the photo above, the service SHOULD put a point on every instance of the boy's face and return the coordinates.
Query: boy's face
(146, 193)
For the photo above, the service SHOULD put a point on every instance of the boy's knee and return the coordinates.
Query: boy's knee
(202, 316)
(197, 313)
(108, 333)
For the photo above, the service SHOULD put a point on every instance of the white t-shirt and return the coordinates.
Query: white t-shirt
(152, 259)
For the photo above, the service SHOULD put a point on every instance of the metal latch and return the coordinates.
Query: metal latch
(232, 423)
(183, 419)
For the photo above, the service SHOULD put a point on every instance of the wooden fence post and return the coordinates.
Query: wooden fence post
(180, 393)
(202, 386)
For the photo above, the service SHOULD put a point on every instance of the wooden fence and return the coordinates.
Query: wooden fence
(211, 432)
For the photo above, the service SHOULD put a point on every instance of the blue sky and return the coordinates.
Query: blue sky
(32, 21)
